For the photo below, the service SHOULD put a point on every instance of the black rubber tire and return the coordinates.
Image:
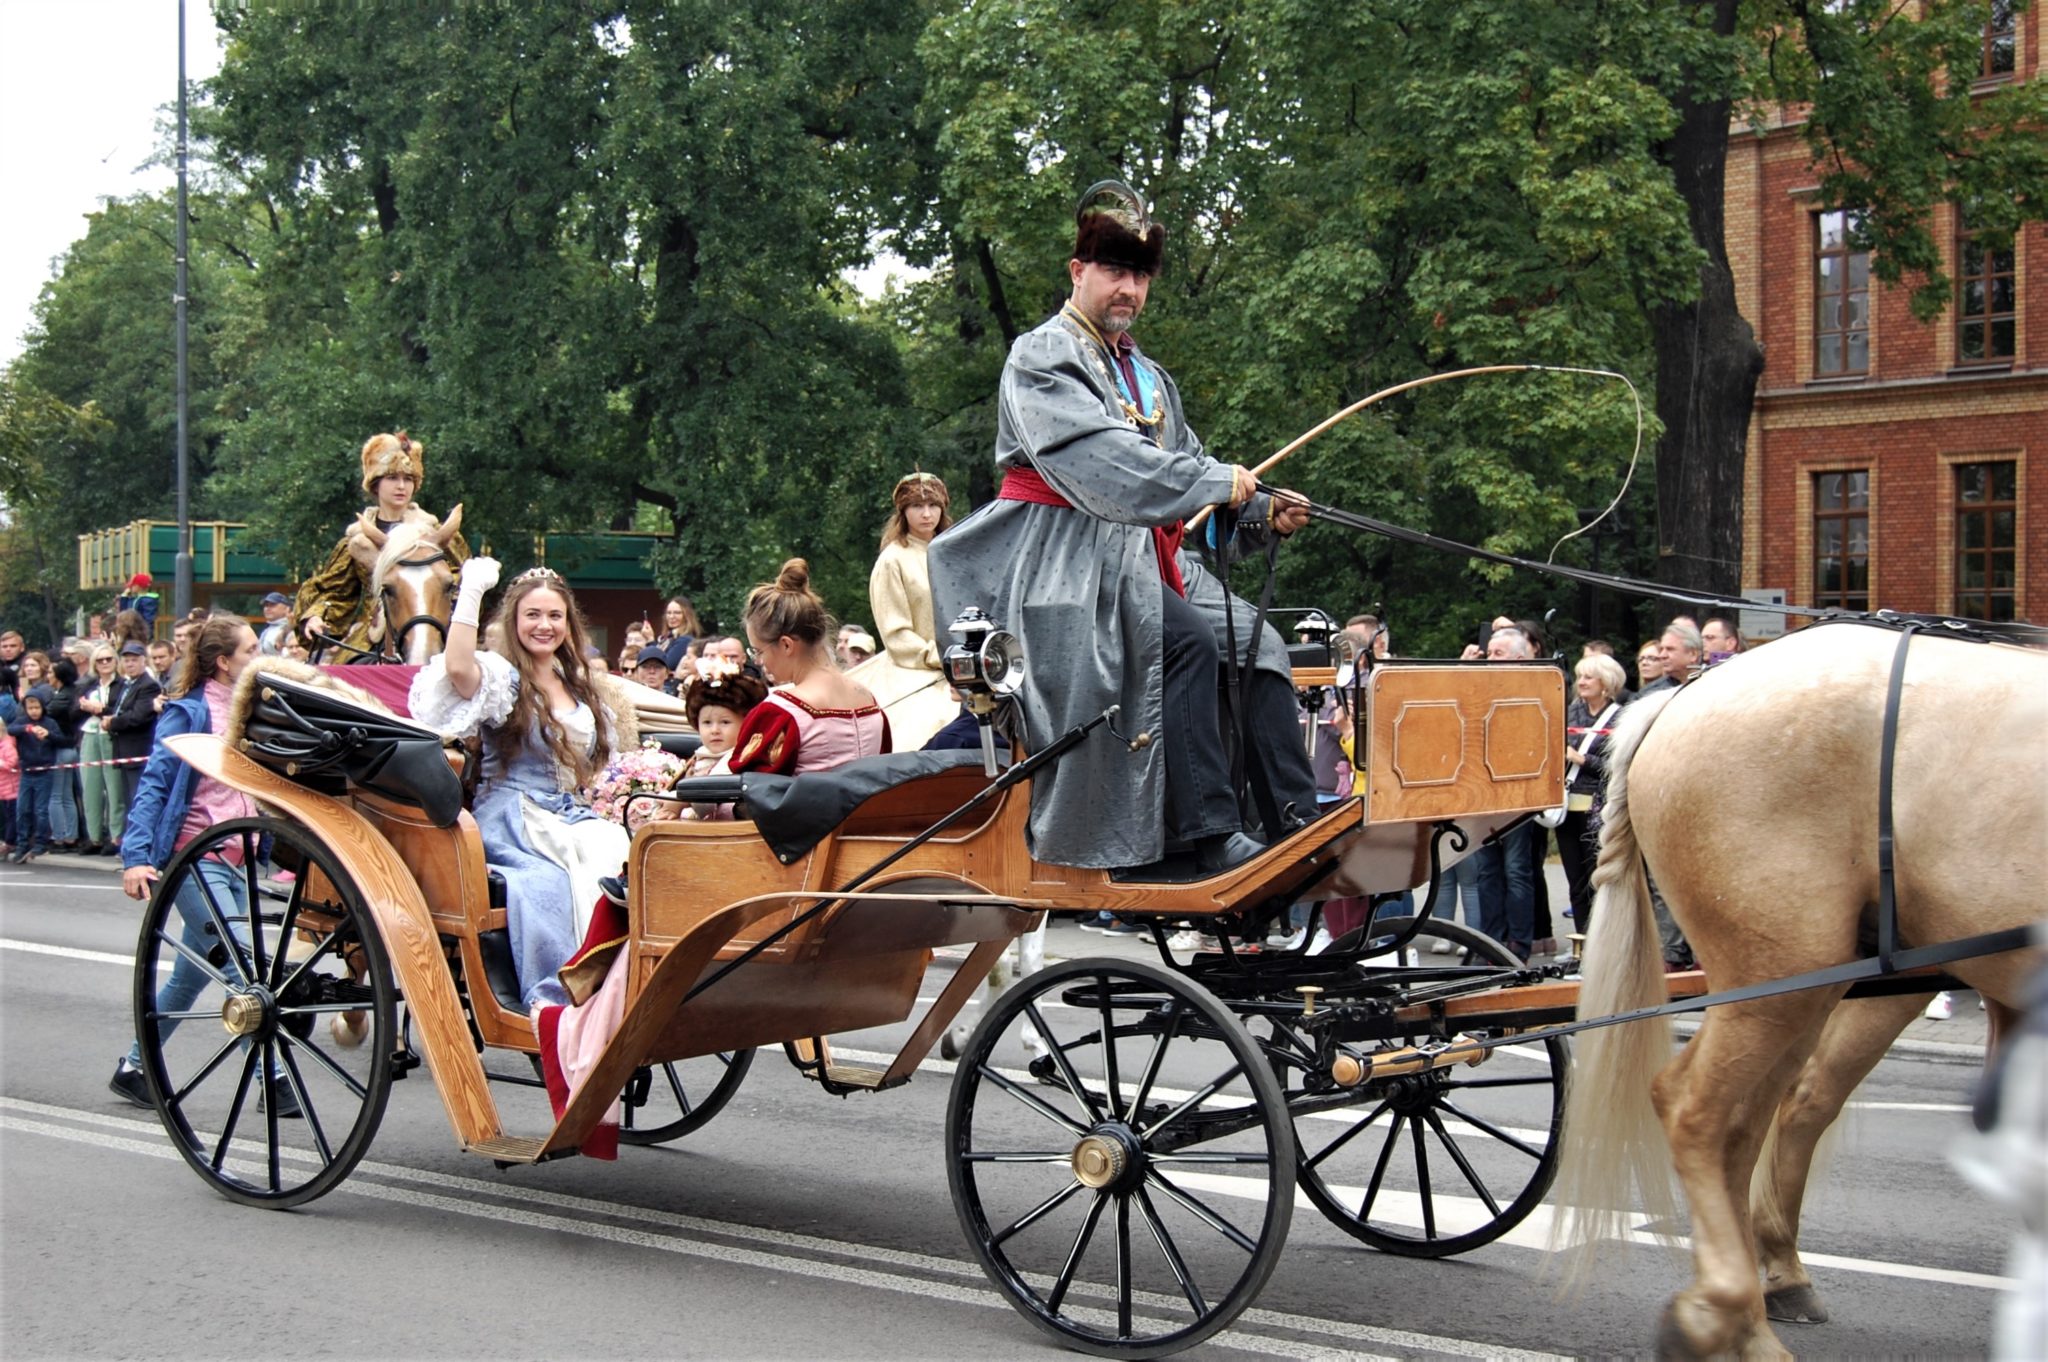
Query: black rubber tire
(669, 1089)
(205, 1081)
(1162, 1028)
(1503, 1184)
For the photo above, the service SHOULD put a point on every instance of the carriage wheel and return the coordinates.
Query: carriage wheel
(252, 1091)
(1130, 1191)
(677, 1097)
(1435, 1164)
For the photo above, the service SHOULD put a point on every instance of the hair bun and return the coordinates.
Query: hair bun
(795, 576)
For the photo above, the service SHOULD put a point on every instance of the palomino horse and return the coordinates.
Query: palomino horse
(412, 587)
(1751, 794)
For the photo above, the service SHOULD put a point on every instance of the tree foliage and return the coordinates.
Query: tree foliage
(594, 253)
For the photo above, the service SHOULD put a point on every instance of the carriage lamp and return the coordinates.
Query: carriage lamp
(984, 664)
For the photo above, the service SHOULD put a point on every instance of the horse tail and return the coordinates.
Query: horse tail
(1612, 1140)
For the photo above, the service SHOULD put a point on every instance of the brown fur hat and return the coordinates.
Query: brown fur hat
(736, 691)
(1111, 227)
(921, 489)
(384, 455)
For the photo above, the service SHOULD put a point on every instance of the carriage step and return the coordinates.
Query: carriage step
(507, 1150)
(855, 1076)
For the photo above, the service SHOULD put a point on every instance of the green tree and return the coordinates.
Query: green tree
(41, 439)
(590, 253)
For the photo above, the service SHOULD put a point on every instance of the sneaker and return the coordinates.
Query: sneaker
(1291, 942)
(954, 1043)
(1547, 946)
(1441, 946)
(128, 1082)
(287, 1105)
(1122, 929)
(1321, 942)
(614, 887)
(1035, 1043)
(1189, 940)
(1095, 922)
(1942, 1008)
(284, 877)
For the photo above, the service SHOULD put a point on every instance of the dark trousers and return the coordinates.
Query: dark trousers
(1578, 847)
(1199, 798)
(1199, 802)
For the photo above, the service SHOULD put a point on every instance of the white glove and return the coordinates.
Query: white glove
(479, 575)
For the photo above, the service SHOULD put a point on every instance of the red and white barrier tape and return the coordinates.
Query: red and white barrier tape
(81, 765)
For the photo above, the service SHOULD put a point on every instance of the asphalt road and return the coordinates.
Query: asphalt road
(794, 1225)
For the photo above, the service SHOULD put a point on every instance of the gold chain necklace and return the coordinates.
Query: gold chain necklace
(1109, 371)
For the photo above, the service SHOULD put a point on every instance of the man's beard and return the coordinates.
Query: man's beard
(1110, 324)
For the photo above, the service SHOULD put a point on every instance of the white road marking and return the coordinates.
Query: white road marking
(916, 1268)
(26, 881)
(76, 953)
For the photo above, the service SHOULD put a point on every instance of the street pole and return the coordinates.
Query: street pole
(181, 599)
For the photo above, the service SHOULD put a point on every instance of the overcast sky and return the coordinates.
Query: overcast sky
(81, 82)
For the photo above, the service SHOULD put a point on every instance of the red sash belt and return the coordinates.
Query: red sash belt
(1025, 484)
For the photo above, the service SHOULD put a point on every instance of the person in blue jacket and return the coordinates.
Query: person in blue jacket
(174, 804)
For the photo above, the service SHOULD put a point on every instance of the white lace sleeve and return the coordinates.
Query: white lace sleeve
(435, 703)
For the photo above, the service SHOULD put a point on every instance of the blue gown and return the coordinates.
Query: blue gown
(547, 844)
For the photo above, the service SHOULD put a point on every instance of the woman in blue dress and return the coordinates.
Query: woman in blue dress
(547, 730)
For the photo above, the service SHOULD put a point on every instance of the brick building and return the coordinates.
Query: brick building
(1892, 463)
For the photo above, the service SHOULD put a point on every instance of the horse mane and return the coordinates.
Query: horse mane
(399, 543)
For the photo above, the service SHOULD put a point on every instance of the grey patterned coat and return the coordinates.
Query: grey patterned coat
(1080, 586)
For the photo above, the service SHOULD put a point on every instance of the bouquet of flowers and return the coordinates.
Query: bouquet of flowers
(646, 769)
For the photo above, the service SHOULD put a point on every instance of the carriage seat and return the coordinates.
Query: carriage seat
(795, 813)
(325, 740)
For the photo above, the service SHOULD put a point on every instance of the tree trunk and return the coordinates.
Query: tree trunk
(1708, 363)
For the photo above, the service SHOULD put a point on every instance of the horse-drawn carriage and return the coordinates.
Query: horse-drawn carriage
(1124, 1140)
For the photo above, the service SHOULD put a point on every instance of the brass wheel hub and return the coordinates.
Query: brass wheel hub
(1098, 1161)
(243, 1013)
(1108, 1156)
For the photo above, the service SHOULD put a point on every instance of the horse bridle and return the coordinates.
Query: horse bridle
(392, 647)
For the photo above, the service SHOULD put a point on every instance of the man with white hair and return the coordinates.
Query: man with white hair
(1679, 650)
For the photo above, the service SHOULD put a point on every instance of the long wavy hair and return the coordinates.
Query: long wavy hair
(530, 713)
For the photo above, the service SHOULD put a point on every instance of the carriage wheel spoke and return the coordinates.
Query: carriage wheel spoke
(199, 961)
(1123, 1267)
(675, 1084)
(296, 1083)
(1379, 1170)
(1195, 1207)
(1166, 1038)
(1171, 1253)
(1034, 1101)
(1038, 1212)
(270, 1114)
(1066, 1068)
(1490, 1128)
(1209, 1090)
(1087, 1232)
(326, 945)
(1450, 1145)
(1203, 1157)
(286, 928)
(220, 925)
(250, 899)
(1111, 1085)
(341, 1075)
(1021, 1156)
(227, 1127)
(205, 1072)
(1357, 1127)
(1422, 1181)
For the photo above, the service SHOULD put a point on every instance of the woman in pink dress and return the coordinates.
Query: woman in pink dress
(815, 718)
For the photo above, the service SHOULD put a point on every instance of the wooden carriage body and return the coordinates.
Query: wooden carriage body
(1480, 747)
